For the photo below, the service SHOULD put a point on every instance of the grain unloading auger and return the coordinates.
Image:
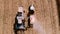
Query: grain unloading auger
(19, 25)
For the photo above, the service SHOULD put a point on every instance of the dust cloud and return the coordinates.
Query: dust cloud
(37, 27)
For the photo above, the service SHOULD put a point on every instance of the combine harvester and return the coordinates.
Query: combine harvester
(33, 24)
(19, 26)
